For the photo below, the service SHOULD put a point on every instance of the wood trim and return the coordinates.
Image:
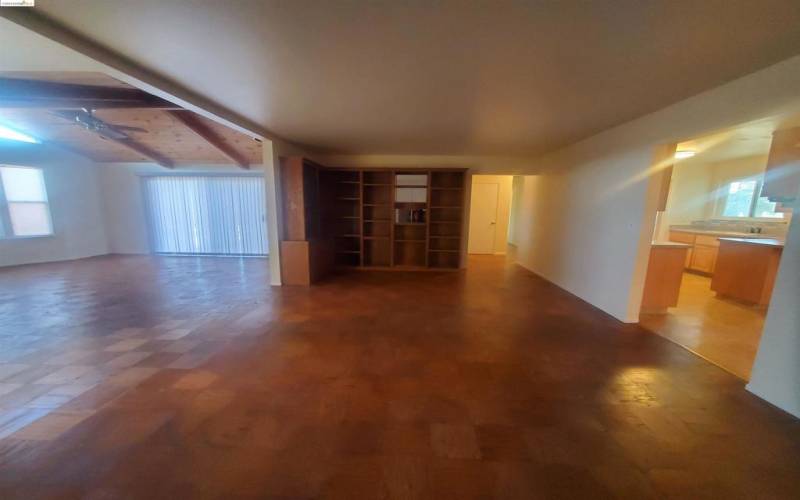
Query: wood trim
(663, 281)
(193, 123)
(428, 220)
(361, 217)
(21, 94)
(392, 217)
(294, 222)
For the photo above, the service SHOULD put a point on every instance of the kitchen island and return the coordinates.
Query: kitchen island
(664, 273)
(746, 268)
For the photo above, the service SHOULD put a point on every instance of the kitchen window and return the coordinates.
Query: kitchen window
(24, 209)
(742, 198)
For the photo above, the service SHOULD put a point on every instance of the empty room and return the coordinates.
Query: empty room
(358, 249)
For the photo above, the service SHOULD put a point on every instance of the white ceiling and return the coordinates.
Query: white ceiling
(748, 139)
(445, 77)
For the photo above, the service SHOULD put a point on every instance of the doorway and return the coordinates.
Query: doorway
(490, 203)
(717, 245)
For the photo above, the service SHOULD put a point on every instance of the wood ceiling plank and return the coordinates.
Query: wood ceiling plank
(193, 123)
(167, 138)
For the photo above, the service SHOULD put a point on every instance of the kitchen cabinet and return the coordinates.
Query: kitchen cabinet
(684, 238)
(702, 256)
(703, 259)
(747, 269)
(663, 280)
(782, 177)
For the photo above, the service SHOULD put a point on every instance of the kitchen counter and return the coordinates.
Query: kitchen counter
(746, 269)
(669, 244)
(768, 242)
(713, 232)
(664, 273)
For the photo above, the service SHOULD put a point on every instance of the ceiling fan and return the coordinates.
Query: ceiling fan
(85, 118)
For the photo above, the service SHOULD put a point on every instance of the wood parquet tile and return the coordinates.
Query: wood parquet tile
(156, 377)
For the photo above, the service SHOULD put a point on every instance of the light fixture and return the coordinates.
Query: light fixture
(14, 135)
(681, 155)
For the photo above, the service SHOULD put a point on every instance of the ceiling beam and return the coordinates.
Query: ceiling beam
(196, 125)
(145, 151)
(126, 141)
(25, 94)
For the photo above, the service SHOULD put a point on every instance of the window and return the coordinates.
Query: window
(206, 215)
(743, 199)
(24, 210)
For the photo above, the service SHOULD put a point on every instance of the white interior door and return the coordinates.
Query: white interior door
(483, 218)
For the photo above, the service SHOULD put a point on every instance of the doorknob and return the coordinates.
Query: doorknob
(493, 222)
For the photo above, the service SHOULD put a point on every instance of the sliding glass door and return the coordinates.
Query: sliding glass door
(206, 215)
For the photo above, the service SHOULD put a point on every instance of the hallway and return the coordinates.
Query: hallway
(178, 377)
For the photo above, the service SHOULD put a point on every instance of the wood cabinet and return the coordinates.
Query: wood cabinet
(703, 259)
(394, 219)
(702, 256)
(747, 269)
(782, 176)
(369, 218)
(663, 281)
(305, 255)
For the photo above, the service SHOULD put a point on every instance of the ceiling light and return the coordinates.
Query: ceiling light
(680, 155)
(13, 135)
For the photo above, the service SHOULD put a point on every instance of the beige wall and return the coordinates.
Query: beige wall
(585, 221)
(689, 195)
(123, 200)
(697, 190)
(72, 184)
(503, 207)
(725, 172)
(579, 225)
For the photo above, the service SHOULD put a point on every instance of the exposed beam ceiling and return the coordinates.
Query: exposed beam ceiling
(447, 77)
(194, 123)
(145, 151)
(128, 125)
(22, 94)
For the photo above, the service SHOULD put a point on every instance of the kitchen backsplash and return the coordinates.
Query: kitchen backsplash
(772, 228)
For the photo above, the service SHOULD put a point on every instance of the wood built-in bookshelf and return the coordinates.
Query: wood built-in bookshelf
(404, 219)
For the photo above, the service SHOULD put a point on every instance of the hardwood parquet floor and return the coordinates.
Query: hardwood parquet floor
(156, 377)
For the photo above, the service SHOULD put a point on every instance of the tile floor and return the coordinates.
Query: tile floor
(156, 377)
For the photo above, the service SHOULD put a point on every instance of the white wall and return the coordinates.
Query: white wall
(776, 372)
(724, 172)
(579, 226)
(698, 188)
(604, 189)
(690, 194)
(126, 225)
(602, 186)
(75, 207)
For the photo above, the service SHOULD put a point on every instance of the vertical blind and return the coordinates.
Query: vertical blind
(206, 215)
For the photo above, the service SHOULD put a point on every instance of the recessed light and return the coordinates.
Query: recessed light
(680, 155)
(14, 135)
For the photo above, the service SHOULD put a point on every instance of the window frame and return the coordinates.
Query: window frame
(6, 225)
(720, 211)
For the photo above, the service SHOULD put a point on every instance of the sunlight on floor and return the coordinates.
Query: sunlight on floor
(723, 331)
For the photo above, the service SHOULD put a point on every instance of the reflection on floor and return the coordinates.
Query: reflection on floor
(179, 377)
(723, 331)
